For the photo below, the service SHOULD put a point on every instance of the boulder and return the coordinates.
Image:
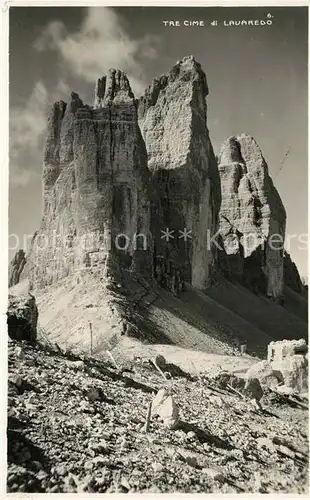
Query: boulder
(160, 361)
(295, 372)
(22, 317)
(289, 357)
(165, 407)
(253, 389)
(265, 373)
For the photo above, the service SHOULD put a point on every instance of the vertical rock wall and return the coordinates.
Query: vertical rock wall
(252, 218)
(172, 118)
(96, 205)
(16, 267)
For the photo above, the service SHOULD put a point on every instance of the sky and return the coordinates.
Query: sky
(257, 78)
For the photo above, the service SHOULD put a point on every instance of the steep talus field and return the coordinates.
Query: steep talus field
(216, 321)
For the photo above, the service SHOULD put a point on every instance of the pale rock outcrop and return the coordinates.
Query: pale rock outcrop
(16, 267)
(22, 317)
(252, 218)
(295, 372)
(165, 407)
(281, 349)
(290, 358)
(253, 389)
(97, 212)
(265, 373)
(173, 122)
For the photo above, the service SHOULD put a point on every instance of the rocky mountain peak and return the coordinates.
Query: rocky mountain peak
(230, 152)
(172, 118)
(131, 196)
(184, 74)
(113, 88)
(52, 143)
(251, 216)
(187, 68)
(66, 132)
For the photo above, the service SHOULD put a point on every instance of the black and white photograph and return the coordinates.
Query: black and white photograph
(156, 248)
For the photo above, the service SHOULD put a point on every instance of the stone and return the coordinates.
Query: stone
(253, 389)
(16, 380)
(61, 470)
(191, 435)
(295, 372)
(157, 467)
(165, 407)
(19, 353)
(237, 454)
(93, 394)
(160, 361)
(188, 456)
(76, 365)
(22, 317)
(263, 442)
(286, 451)
(16, 267)
(289, 358)
(173, 122)
(158, 400)
(216, 400)
(214, 474)
(265, 373)
(252, 219)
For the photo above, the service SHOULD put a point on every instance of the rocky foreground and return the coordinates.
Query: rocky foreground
(77, 424)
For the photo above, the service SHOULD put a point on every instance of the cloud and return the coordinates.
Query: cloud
(28, 122)
(21, 176)
(27, 128)
(101, 43)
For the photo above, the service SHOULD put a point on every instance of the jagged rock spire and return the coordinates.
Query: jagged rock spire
(114, 87)
(173, 120)
(66, 134)
(251, 213)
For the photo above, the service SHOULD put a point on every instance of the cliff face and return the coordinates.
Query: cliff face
(252, 218)
(16, 267)
(96, 211)
(51, 162)
(173, 122)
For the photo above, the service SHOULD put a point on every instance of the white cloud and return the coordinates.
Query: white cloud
(27, 128)
(27, 123)
(21, 176)
(100, 44)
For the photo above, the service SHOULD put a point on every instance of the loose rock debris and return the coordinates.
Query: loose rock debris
(77, 425)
